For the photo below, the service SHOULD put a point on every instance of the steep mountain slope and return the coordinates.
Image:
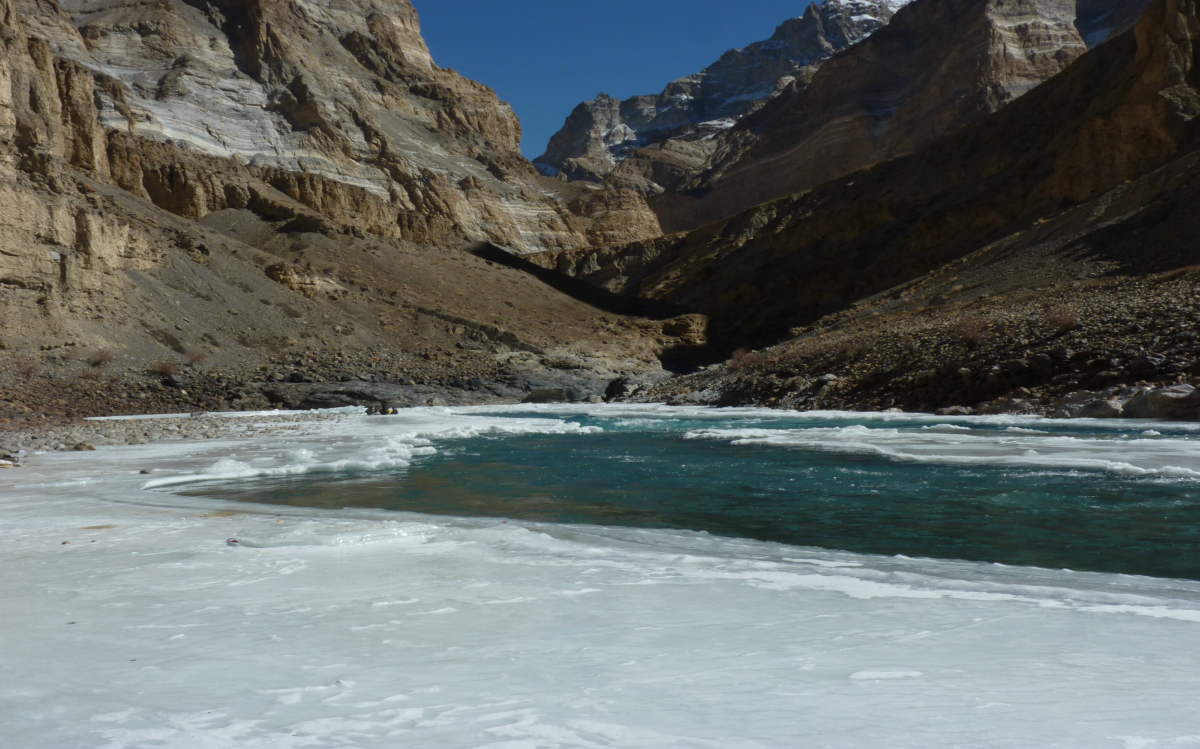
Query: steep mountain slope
(1092, 313)
(338, 105)
(603, 132)
(939, 65)
(245, 182)
(278, 195)
(1116, 112)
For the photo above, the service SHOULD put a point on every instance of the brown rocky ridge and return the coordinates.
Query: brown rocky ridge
(1118, 112)
(1057, 276)
(938, 66)
(866, 86)
(287, 204)
(224, 187)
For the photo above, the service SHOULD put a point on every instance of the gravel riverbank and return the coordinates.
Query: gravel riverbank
(86, 435)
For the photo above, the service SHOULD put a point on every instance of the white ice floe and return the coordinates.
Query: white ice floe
(384, 452)
(147, 628)
(951, 445)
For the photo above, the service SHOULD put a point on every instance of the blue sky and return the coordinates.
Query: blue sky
(546, 56)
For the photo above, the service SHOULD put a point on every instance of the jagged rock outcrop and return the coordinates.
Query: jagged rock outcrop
(938, 66)
(613, 215)
(1115, 113)
(47, 114)
(603, 132)
(239, 182)
(339, 106)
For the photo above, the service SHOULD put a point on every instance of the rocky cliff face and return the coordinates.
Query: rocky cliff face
(1112, 115)
(603, 132)
(47, 113)
(287, 188)
(240, 180)
(938, 66)
(338, 105)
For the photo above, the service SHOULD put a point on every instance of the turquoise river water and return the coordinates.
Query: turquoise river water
(1097, 496)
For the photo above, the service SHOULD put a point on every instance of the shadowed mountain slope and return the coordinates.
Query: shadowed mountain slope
(249, 182)
(938, 66)
(685, 118)
(1124, 108)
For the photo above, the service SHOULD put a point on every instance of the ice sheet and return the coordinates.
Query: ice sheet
(353, 628)
(1124, 447)
(952, 445)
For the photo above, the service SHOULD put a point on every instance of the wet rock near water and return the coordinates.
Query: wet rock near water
(522, 378)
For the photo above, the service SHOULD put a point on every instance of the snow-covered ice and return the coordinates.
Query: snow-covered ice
(950, 444)
(149, 627)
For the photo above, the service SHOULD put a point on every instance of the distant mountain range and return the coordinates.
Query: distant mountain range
(822, 98)
(603, 132)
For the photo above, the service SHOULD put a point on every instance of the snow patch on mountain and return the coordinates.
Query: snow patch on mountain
(603, 132)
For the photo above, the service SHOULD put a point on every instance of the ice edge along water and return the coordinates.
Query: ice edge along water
(366, 628)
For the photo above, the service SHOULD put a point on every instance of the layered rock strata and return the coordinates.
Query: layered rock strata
(235, 182)
(338, 105)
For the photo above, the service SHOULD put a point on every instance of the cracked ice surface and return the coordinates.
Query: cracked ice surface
(356, 628)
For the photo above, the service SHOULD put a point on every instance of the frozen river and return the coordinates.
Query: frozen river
(610, 577)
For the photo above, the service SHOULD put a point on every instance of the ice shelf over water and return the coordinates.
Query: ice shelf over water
(374, 629)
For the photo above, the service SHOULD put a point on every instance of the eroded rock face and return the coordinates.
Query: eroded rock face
(337, 105)
(827, 95)
(227, 182)
(939, 65)
(603, 132)
(615, 217)
(47, 115)
(1113, 115)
